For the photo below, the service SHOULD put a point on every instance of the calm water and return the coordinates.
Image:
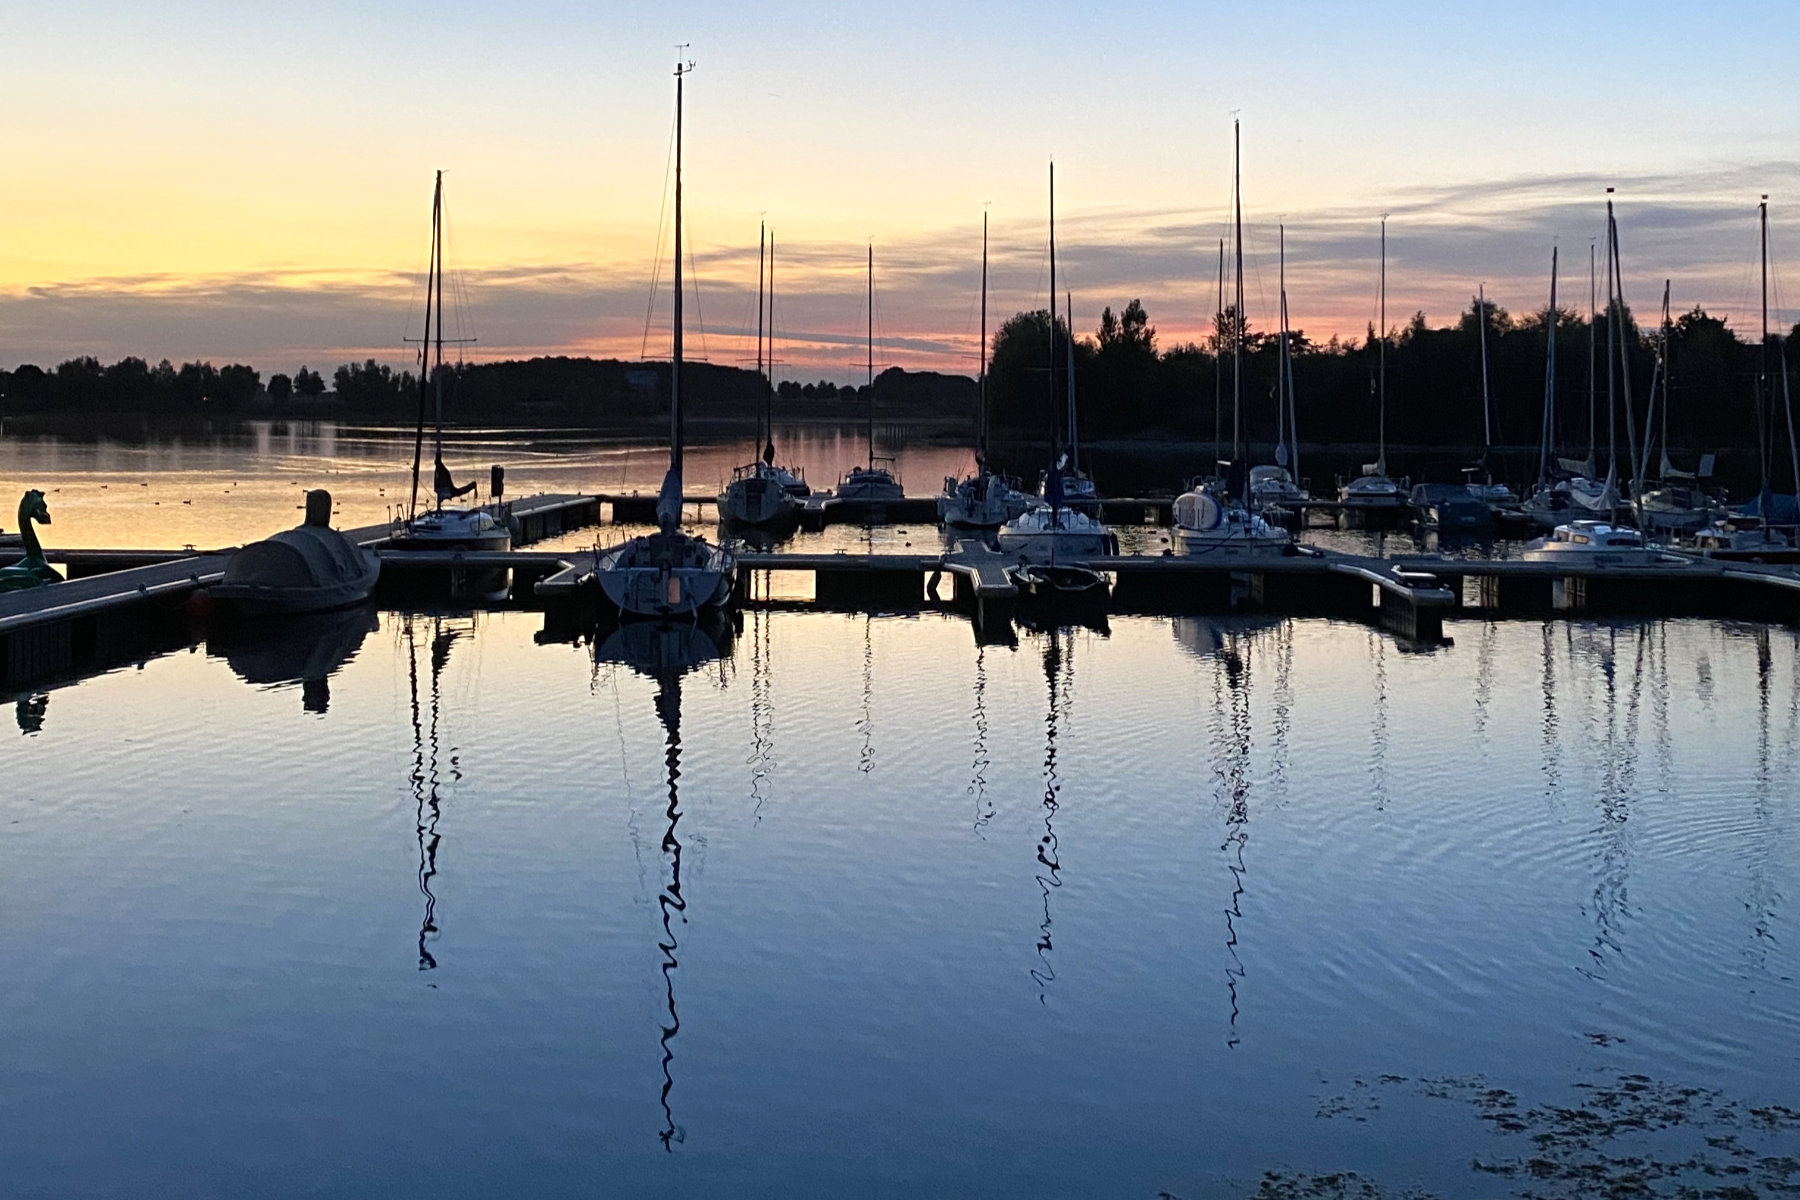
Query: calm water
(862, 909)
(161, 487)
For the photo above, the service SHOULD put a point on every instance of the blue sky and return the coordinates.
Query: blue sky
(252, 181)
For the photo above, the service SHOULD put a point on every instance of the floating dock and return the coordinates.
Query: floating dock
(113, 600)
(116, 596)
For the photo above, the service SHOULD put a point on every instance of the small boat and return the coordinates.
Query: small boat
(984, 500)
(669, 572)
(1450, 508)
(1480, 482)
(1044, 581)
(456, 527)
(1272, 486)
(1054, 531)
(310, 568)
(1596, 544)
(872, 484)
(1210, 522)
(758, 494)
(1372, 498)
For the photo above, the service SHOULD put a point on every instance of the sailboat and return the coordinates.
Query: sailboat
(1212, 517)
(757, 494)
(1077, 486)
(1765, 528)
(1567, 486)
(1481, 483)
(1272, 484)
(872, 484)
(1674, 502)
(1054, 530)
(443, 526)
(984, 500)
(1372, 498)
(669, 572)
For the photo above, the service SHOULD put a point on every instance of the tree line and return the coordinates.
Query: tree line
(1129, 387)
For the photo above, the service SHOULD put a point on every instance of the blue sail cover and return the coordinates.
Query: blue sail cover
(1774, 508)
(1053, 486)
(668, 502)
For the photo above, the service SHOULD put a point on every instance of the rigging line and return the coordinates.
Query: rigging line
(662, 225)
(694, 281)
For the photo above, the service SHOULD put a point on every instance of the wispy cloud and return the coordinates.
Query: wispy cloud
(1697, 229)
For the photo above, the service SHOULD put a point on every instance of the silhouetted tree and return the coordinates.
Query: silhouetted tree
(280, 388)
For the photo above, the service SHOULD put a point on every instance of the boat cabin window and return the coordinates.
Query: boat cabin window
(1580, 539)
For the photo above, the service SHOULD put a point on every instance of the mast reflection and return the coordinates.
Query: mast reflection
(762, 713)
(1378, 731)
(1049, 878)
(1228, 646)
(425, 778)
(1613, 730)
(665, 652)
(865, 760)
(984, 808)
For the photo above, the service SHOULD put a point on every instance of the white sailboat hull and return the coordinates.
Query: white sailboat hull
(665, 575)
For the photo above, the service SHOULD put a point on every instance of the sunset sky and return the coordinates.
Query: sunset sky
(245, 181)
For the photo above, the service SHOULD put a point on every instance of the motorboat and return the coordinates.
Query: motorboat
(310, 568)
(1596, 544)
(1207, 522)
(1054, 533)
(980, 501)
(1450, 508)
(871, 484)
(1273, 486)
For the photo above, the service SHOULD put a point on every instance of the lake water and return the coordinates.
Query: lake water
(441, 904)
(145, 485)
(1208, 906)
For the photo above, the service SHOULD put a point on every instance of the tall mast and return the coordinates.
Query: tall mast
(1765, 399)
(1612, 333)
(768, 452)
(981, 453)
(1612, 235)
(1281, 362)
(1593, 316)
(1069, 359)
(1547, 432)
(1237, 321)
(871, 356)
(762, 235)
(681, 70)
(1054, 465)
(1487, 422)
(1787, 400)
(1667, 321)
(1381, 362)
(1218, 366)
(437, 371)
(437, 195)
